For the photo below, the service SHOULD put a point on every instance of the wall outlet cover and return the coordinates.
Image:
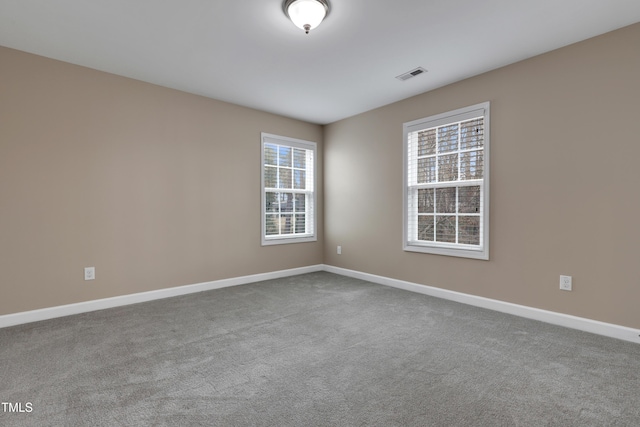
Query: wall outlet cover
(565, 283)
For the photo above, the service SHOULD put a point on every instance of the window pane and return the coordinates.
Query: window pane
(270, 154)
(300, 223)
(471, 165)
(425, 200)
(271, 202)
(284, 154)
(425, 227)
(447, 168)
(288, 190)
(300, 203)
(446, 229)
(299, 179)
(446, 203)
(472, 134)
(270, 176)
(426, 170)
(469, 230)
(447, 138)
(469, 199)
(286, 224)
(446, 200)
(285, 178)
(299, 158)
(427, 142)
(286, 202)
(271, 224)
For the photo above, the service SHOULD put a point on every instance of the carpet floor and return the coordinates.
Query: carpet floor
(313, 350)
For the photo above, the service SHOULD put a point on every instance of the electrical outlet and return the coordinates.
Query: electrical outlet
(339, 250)
(89, 273)
(565, 283)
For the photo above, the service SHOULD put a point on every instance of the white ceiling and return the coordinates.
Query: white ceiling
(247, 51)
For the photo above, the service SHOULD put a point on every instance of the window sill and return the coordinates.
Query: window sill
(283, 240)
(482, 254)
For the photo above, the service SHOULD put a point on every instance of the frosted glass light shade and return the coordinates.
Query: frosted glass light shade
(306, 14)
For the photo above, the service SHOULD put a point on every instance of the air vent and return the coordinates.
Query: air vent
(410, 74)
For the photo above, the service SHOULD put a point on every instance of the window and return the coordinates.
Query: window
(288, 190)
(446, 191)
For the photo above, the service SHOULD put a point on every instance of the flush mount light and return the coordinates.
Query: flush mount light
(306, 14)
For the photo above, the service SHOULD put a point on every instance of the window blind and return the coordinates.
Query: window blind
(445, 181)
(288, 188)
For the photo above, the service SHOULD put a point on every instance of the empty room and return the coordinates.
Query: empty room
(319, 213)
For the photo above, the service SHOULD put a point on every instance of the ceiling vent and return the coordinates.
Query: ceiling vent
(410, 74)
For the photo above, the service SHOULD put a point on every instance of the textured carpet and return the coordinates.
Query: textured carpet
(313, 350)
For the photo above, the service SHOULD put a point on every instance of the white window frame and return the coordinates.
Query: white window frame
(310, 234)
(410, 240)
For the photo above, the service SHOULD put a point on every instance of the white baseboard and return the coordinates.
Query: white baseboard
(101, 304)
(568, 321)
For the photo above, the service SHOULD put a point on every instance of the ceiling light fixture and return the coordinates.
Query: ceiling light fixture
(306, 14)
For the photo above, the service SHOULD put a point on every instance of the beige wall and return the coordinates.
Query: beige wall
(565, 146)
(154, 187)
(158, 188)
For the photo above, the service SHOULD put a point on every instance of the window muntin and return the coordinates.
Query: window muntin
(288, 190)
(446, 183)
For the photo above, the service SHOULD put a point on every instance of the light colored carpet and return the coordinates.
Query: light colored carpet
(314, 350)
